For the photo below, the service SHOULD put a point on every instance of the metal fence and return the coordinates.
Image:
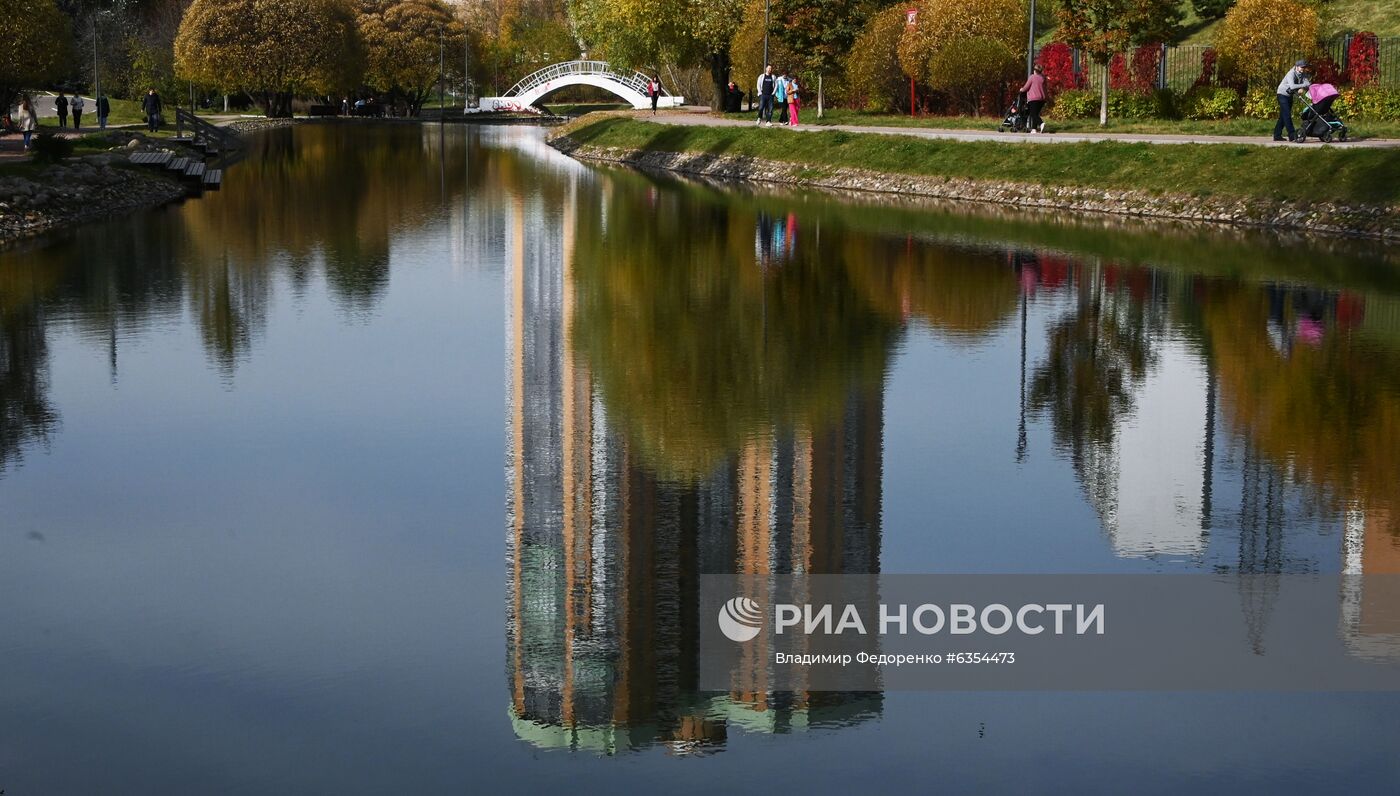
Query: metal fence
(1178, 67)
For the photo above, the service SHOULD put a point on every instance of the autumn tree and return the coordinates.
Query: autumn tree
(273, 49)
(821, 33)
(873, 75)
(971, 67)
(648, 34)
(1260, 39)
(946, 25)
(35, 35)
(1105, 28)
(404, 41)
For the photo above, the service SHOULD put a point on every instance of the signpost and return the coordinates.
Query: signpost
(911, 18)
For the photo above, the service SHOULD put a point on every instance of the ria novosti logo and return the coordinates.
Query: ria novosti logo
(740, 619)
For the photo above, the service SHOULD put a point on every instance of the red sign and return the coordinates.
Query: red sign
(911, 16)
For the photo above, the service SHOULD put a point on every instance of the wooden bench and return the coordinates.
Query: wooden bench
(213, 178)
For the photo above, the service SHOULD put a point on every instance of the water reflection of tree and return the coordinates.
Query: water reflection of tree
(1329, 411)
(1096, 355)
(697, 345)
(26, 416)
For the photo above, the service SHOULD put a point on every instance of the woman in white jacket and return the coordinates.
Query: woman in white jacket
(26, 120)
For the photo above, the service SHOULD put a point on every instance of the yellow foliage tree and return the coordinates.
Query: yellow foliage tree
(407, 43)
(35, 36)
(1260, 39)
(950, 23)
(272, 49)
(873, 77)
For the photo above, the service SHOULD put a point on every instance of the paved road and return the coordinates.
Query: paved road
(696, 117)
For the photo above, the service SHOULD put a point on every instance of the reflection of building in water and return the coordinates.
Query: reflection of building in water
(605, 558)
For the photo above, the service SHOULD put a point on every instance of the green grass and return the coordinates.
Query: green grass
(1220, 170)
(123, 112)
(1247, 128)
(1381, 17)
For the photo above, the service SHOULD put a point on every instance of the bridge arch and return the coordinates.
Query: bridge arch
(631, 86)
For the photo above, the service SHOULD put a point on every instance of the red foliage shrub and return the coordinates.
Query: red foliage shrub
(1363, 59)
(1058, 60)
(1326, 70)
(1146, 60)
(1207, 76)
(1119, 76)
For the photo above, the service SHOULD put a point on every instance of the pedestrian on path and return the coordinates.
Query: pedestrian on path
(780, 95)
(654, 91)
(767, 85)
(26, 120)
(61, 104)
(77, 105)
(1035, 98)
(1296, 80)
(794, 100)
(104, 109)
(151, 106)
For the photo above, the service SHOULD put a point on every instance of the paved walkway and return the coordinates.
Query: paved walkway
(696, 116)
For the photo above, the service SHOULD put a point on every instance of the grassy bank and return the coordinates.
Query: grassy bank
(1244, 128)
(1348, 176)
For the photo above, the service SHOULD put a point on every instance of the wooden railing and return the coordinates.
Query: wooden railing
(216, 140)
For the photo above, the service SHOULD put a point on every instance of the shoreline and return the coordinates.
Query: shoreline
(1373, 222)
(77, 191)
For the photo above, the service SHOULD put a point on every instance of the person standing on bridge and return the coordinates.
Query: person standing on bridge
(654, 91)
(767, 85)
(151, 106)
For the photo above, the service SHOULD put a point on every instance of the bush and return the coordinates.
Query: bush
(1207, 75)
(970, 68)
(1363, 59)
(1260, 103)
(1076, 104)
(1260, 39)
(1210, 102)
(50, 148)
(1058, 60)
(1371, 103)
(874, 80)
(1124, 104)
(944, 22)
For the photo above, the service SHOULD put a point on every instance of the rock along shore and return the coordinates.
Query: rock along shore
(1378, 222)
(78, 190)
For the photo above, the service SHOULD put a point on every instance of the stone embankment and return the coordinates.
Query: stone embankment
(38, 199)
(1379, 222)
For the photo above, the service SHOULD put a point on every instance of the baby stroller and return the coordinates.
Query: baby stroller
(1319, 121)
(1017, 120)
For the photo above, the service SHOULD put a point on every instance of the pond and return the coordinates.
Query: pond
(390, 468)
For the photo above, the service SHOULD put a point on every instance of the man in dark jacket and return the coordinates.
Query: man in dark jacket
(151, 106)
(61, 104)
(104, 109)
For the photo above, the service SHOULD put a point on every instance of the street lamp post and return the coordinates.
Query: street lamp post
(1030, 47)
(442, 73)
(767, 23)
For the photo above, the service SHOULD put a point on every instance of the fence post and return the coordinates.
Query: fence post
(1162, 68)
(1346, 51)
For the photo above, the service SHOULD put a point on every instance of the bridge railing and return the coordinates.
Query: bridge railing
(635, 80)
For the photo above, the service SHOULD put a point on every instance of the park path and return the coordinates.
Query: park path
(702, 117)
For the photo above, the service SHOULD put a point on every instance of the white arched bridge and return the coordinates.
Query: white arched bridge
(630, 86)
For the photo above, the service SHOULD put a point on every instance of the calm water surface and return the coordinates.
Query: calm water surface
(390, 469)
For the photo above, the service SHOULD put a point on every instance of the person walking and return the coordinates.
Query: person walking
(77, 105)
(151, 106)
(767, 85)
(654, 91)
(104, 109)
(26, 120)
(794, 100)
(1296, 80)
(780, 98)
(61, 105)
(1035, 98)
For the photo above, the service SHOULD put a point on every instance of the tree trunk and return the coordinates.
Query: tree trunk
(1103, 95)
(719, 75)
(821, 99)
